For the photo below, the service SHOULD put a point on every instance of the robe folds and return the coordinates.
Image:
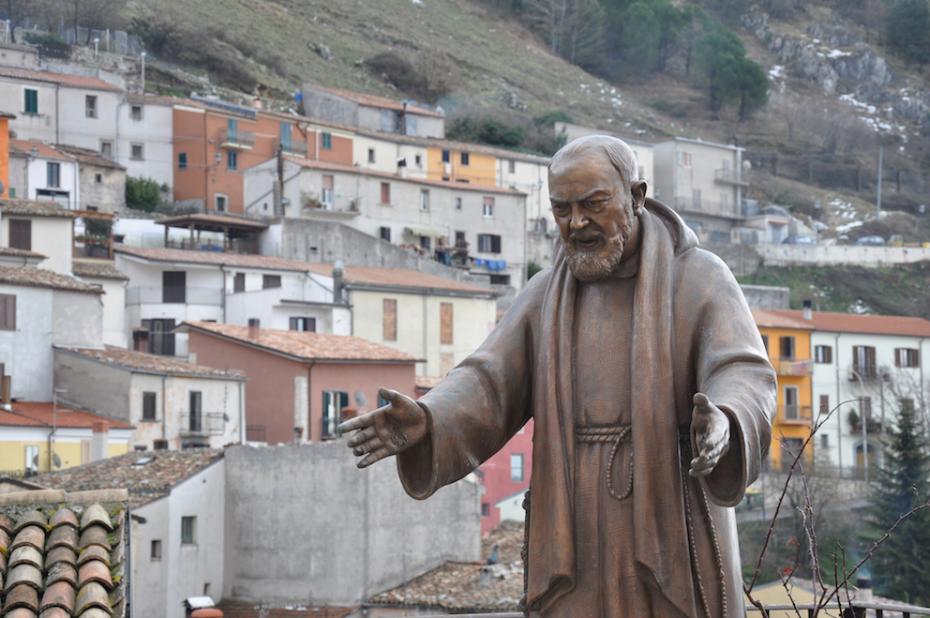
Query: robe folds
(691, 332)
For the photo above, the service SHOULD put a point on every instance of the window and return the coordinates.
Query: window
(824, 440)
(90, 106)
(284, 130)
(823, 354)
(221, 201)
(489, 243)
(485, 509)
(786, 348)
(327, 141)
(865, 407)
(31, 103)
(389, 319)
(864, 361)
(424, 199)
(458, 203)
(155, 552)
(418, 160)
(106, 148)
(791, 402)
(7, 312)
(32, 458)
(271, 281)
(459, 237)
(329, 193)
(684, 159)
(188, 530)
(174, 286)
(182, 160)
(511, 166)
(824, 405)
(137, 152)
(160, 335)
(98, 178)
(516, 467)
(487, 208)
(426, 243)
(21, 234)
(371, 155)
(385, 233)
(135, 112)
(334, 402)
(149, 401)
(500, 279)
(232, 160)
(307, 325)
(765, 342)
(446, 156)
(195, 414)
(445, 323)
(385, 193)
(232, 129)
(239, 282)
(906, 357)
(53, 175)
(464, 158)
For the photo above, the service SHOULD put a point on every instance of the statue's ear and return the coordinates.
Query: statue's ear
(638, 192)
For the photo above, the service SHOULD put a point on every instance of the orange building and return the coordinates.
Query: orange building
(460, 162)
(5, 119)
(215, 142)
(788, 342)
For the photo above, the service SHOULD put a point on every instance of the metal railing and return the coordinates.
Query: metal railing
(292, 147)
(200, 423)
(800, 415)
(237, 139)
(731, 177)
(145, 295)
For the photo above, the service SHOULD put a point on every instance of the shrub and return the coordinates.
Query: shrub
(142, 194)
(50, 46)
(423, 82)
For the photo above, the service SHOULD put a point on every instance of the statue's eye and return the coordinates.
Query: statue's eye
(560, 210)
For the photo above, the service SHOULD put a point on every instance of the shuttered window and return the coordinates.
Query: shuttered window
(389, 319)
(7, 312)
(445, 323)
(21, 234)
(148, 406)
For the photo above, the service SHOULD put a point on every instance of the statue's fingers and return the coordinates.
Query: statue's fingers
(388, 394)
(367, 447)
(374, 456)
(359, 422)
(362, 436)
(701, 402)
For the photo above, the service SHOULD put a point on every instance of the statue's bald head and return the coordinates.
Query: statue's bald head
(616, 152)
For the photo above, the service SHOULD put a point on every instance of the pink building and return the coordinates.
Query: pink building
(300, 384)
(506, 474)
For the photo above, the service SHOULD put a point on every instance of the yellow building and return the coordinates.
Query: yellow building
(38, 437)
(788, 342)
(460, 162)
(5, 153)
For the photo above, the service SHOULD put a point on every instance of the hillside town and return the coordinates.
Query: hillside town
(172, 378)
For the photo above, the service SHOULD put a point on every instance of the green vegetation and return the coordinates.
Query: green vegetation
(142, 194)
(509, 131)
(907, 27)
(424, 81)
(50, 46)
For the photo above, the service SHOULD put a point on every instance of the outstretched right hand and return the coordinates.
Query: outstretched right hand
(389, 430)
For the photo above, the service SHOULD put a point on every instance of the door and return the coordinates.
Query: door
(196, 413)
(174, 286)
(791, 403)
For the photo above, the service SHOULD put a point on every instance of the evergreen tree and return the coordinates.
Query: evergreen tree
(728, 75)
(899, 566)
(908, 29)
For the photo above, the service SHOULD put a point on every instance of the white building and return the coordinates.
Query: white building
(169, 286)
(41, 172)
(101, 181)
(170, 403)
(372, 112)
(40, 227)
(145, 127)
(20, 56)
(103, 274)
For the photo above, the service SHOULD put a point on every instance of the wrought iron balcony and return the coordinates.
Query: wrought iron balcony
(297, 147)
(237, 140)
(794, 415)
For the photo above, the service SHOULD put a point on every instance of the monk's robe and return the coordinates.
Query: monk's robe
(608, 371)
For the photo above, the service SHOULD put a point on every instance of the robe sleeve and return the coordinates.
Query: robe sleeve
(479, 405)
(733, 370)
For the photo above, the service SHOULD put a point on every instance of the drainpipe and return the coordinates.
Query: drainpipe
(164, 409)
(839, 421)
(57, 113)
(920, 369)
(310, 403)
(223, 291)
(242, 427)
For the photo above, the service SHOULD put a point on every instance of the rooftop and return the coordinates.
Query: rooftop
(147, 475)
(458, 587)
(62, 79)
(397, 277)
(435, 142)
(836, 322)
(37, 148)
(89, 157)
(34, 208)
(41, 278)
(23, 253)
(376, 101)
(64, 554)
(304, 345)
(264, 262)
(141, 362)
(43, 414)
(212, 221)
(774, 319)
(242, 609)
(94, 269)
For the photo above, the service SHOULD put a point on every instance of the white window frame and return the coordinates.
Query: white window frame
(487, 208)
(216, 202)
(517, 457)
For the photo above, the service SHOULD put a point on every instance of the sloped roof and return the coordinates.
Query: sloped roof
(12, 252)
(243, 609)
(304, 345)
(265, 262)
(437, 142)
(41, 278)
(151, 363)
(772, 319)
(147, 475)
(89, 157)
(62, 79)
(64, 554)
(836, 322)
(397, 277)
(34, 208)
(41, 149)
(372, 100)
(97, 270)
(43, 414)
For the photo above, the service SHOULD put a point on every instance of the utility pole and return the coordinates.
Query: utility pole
(279, 182)
(142, 56)
(878, 191)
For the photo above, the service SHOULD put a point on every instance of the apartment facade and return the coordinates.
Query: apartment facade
(39, 226)
(101, 181)
(146, 132)
(372, 112)
(39, 171)
(103, 274)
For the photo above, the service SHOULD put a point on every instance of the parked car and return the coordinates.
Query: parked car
(872, 241)
(799, 240)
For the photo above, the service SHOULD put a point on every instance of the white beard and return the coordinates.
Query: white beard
(590, 266)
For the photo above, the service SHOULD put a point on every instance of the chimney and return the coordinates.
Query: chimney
(254, 328)
(808, 310)
(98, 441)
(338, 282)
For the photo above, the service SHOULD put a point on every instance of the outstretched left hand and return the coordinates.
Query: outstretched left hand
(711, 430)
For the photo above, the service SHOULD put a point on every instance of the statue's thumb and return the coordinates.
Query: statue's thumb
(701, 401)
(388, 395)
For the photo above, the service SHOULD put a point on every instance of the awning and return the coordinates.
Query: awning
(426, 231)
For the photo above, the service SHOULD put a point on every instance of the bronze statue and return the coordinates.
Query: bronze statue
(651, 390)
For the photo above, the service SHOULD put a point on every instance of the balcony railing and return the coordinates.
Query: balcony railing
(293, 147)
(200, 423)
(731, 177)
(239, 140)
(793, 367)
(150, 295)
(794, 415)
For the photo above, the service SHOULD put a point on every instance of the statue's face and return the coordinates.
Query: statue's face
(593, 208)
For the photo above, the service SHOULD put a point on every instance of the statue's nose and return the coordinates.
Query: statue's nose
(579, 220)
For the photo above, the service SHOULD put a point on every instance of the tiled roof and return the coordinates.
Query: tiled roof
(265, 262)
(151, 363)
(97, 270)
(11, 252)
(427, 382)
(89, 157)
(62, 79)
(43, 414)
(64, 554)
(147, 475)
(435, 142)
(397, 277)
(305, 345)
(213, 219)
(772, 319)
(458, 587)
(34, 208)
(41, 150)
(42, 278)
(376, 101)
(241, 609)
(835, 322)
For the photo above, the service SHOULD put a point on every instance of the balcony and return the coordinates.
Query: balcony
(794, 368)
(728, 176)
(199, 424)
(298, 148)
(237, 140)
(794, 415)
(154, 295)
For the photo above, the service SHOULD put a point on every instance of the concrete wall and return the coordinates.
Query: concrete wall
(826, 255)
(92, 385)
(26, 353)
(107, 195)
(114, 310)
(77, 319)
(387, 154)
(184, 570)
(77, 129)
(304, 526)
(69, 183)
(766, 296)
(51, 236)
(41, 126)
(154, 132)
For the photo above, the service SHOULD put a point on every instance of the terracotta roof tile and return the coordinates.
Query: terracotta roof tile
(30, 536)
(434, 142)
(187, 256)
(43, 414)
(64, 517)
(214, 219)
(26, 554)
(92, 553)
(95, 571)
(89, 157)
(11, 252)
(61, 572)
(865, 324)
(61, 555)
(63, 79)
(152, 363)
(23, 595)
(91, 595)
(62, 536)
(41, 149)
(147, 476)
(95, 515)
(97, 270)
(372, 100)
(305, 345)
(398, 277)
(61, 594)
(241, 609)
(34, 208)
(94, 536)
(32, 276)
(772, 319)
